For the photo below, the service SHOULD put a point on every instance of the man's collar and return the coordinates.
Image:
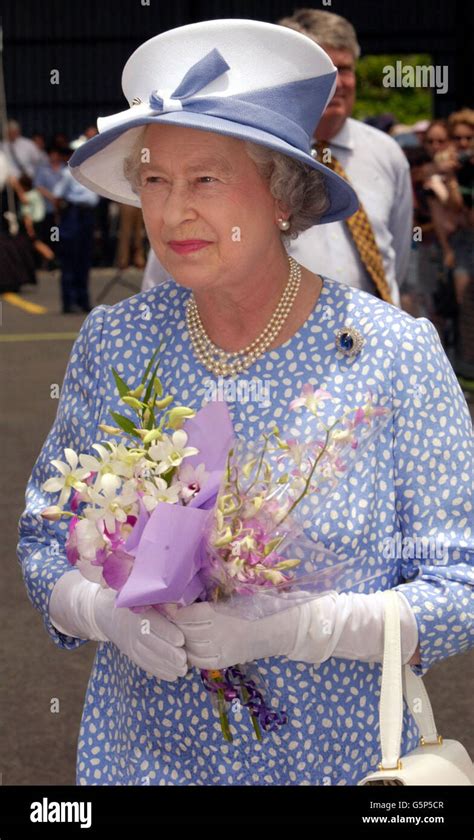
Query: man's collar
(344, 138)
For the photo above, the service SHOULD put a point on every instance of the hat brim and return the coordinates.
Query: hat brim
(98, 163)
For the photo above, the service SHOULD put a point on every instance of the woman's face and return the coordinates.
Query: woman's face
(463, 135)
(209, 214)
(436, 140)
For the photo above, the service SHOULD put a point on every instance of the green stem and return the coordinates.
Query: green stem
(223, 716)
(256, 725)
(227, 466)
(260, 462)
(310, 476)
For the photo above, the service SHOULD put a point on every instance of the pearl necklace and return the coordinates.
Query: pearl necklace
(223, 363)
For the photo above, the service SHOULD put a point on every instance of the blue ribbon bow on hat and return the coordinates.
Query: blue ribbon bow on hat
(198, 76)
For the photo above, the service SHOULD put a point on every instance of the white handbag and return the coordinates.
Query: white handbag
(435, 761)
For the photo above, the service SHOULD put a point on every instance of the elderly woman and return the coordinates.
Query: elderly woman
(223, 172)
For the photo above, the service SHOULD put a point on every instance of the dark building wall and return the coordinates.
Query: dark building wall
(88, 42)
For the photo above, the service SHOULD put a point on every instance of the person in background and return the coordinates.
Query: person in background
(436, 138)
(437, 255)
(11, 274)
(372, 256)
(443, 187)
(23, 155)
(461, 132)
(32, 212)
(76, 232)
(102, 214)
(17, 263)
(46, 177)
(419, 130)
(435, 215)
(130, 241)
(415, 297)
(40, 141)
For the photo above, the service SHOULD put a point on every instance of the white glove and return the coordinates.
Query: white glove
(350, 626)
(83, 609)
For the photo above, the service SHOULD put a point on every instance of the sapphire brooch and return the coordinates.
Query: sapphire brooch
(349, 341)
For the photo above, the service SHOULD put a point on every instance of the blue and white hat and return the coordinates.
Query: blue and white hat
(243, 78)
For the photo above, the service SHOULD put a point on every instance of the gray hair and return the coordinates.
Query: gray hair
(298, 187)
(325, 28)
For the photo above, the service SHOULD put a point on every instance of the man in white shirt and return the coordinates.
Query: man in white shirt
(23, 155)
(374, 163)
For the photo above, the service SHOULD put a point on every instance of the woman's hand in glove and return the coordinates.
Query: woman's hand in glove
(82, 609)
(218, 640)
(346, 625)
(149, 639)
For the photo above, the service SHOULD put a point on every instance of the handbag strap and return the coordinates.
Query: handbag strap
(398, 681)
(419, 704)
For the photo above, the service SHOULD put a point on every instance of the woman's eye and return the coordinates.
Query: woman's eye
(153, 179)
(207, 179)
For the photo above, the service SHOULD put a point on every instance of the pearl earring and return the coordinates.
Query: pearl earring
(283, 224)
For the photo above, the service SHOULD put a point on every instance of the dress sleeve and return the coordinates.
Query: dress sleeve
(41, 546)
(433, 456)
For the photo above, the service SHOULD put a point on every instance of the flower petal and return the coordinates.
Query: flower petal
(71, 458)
(90, 463)
(53, 485)
(180, 439)
(61, 466)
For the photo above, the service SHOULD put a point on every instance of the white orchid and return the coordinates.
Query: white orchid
(310, 398)
(89, 542)
(114, 500)
(71, 477)
(115, 459)
(158, 491)
(297, 451)
(171, 451)
(192, 479)
(340, 436)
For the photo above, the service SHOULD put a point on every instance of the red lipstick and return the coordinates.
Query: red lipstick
(186, 246)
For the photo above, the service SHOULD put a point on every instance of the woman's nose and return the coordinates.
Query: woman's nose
(178, 206)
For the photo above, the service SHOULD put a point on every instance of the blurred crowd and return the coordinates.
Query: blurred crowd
(49, 221)
(439, 282)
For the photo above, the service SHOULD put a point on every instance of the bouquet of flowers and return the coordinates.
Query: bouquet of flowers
(258, 560)
(113, 494)
(182, 511)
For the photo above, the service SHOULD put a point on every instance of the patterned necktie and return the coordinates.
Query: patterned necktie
(360, 230)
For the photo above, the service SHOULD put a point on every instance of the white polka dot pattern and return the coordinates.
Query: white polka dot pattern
(414, 481)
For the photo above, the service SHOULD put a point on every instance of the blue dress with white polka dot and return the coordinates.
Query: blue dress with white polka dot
(414, 481)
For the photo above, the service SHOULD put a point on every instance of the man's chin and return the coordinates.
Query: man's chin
(339, 109)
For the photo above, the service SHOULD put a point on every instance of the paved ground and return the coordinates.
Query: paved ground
(37, 745)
